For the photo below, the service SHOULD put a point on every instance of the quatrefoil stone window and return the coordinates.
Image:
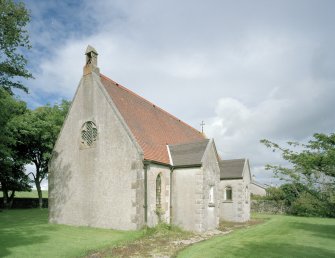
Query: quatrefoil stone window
(89, 134)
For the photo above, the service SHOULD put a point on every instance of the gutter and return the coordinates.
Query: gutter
(230, 178)
(171, 179)
(187, 166)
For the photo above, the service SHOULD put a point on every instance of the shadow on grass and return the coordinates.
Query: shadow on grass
(319, 230)
(21, 228)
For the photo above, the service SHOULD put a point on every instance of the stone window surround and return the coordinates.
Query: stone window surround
(88, 134)
(159, 191)
(246, 194)
(211, 201)
(225, 197)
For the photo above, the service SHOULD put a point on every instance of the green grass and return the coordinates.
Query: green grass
(279, 236)
(32, 194)
(26, 233)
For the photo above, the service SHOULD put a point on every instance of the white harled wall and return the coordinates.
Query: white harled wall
(153, 171)
(100, 186)
(191, 205)
(211, 179)
(238, 209)
(186, 184)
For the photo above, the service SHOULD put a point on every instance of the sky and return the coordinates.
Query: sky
(249, 69)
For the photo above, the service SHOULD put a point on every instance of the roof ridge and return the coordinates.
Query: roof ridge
(232, 159)
(154, 105)
(258, 183)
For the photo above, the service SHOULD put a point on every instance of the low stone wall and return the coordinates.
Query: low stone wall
(268, 206)
(25, 203)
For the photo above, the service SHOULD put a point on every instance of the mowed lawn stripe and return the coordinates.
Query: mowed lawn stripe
(279, 236)
(26, 233)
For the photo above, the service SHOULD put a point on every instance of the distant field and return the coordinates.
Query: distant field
(32, 194)
(279, 236)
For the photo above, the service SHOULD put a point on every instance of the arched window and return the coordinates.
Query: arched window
(158, 191)
(246, 194)
(228, 193)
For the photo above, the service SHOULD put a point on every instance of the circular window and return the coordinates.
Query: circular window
(89, 133)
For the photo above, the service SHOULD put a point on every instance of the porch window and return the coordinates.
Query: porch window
(228, 194)
(211, 194)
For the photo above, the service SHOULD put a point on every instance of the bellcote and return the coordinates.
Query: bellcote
(91, 61)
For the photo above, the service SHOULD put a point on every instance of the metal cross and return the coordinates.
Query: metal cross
(202, 126)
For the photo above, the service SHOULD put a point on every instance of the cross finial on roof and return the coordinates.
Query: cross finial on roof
(91, 60)
(202, 126)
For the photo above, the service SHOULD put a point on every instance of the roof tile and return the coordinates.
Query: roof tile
(152, 127)
(188, 153)
(230, 169)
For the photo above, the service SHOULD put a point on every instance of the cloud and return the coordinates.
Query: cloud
(250, 70)
(238, 128)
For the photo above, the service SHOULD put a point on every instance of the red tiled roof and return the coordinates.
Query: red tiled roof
(152, 127)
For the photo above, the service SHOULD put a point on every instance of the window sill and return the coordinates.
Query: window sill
(230, 201)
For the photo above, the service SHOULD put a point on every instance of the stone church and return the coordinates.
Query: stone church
(122, 162)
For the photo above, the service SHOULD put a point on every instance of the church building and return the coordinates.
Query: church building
(122, 162)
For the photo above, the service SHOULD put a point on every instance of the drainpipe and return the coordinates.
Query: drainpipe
(171, 179)
(145, 206)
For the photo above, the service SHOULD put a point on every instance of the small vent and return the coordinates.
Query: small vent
(89, 134)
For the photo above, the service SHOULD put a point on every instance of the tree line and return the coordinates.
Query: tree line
(27, 136)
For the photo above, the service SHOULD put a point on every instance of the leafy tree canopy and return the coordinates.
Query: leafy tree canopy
(310, 190)
(12, 176)
(13, 39)
(36, 132)
(312, 164)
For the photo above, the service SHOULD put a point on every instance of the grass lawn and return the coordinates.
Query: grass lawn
(279, 236)
(32, 194)
(26, 233)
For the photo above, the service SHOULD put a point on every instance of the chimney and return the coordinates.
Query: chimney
(91, 61)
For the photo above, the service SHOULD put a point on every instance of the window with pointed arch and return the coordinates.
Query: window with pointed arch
(246, 194)
(228, 193)
(158, 191)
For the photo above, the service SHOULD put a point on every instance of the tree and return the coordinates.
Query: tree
(38, 131)
(12, 176)
(12, 179)
(311, 174)
(13, 39)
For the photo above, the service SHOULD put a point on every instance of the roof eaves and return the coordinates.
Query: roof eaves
(258, 184)
(148, 161)
(230, 178)
(187, 166)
